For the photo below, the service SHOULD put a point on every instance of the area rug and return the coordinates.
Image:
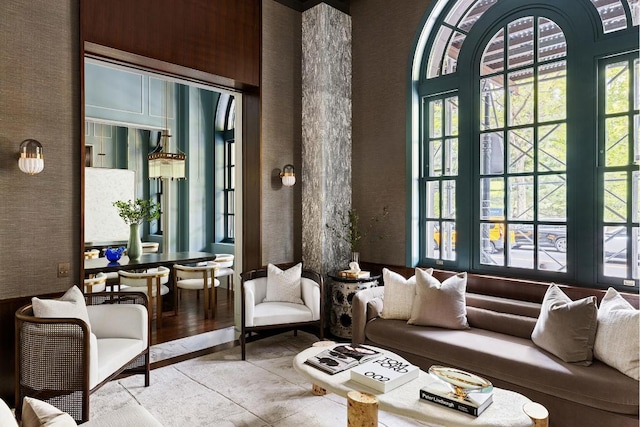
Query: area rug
(220, 389)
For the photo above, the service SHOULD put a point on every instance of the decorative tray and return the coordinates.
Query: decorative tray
(462, 382)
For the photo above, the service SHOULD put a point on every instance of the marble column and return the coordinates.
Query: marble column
(326, 134)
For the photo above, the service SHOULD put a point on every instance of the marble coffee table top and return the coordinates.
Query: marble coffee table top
(505, 411)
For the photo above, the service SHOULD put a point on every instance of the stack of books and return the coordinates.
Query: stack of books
(342, 357)
(354, 274)
(442, 393)
(385, 373)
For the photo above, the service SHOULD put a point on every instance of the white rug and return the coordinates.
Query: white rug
(222, 390)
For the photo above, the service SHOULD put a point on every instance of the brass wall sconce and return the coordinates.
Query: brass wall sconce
(31, 160)
(288, 175)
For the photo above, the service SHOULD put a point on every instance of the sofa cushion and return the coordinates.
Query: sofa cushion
(113, 354)
(510, 359)
(69, 305)
(566, 328)
(617, 337)
(439, 304)
(399, 294)
(276, 313)
(506, 323)
(36, 413)
(284, 285)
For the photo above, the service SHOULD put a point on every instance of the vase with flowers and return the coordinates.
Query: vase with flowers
(349, 228)
(134, 213)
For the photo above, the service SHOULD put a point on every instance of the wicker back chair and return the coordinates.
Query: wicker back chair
(53, 357)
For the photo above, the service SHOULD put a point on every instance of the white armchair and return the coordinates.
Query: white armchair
(63, 360)
(259, 315)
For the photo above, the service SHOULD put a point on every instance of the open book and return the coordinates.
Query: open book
(341, 357)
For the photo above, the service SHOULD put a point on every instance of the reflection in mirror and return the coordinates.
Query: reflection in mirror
(126, 111)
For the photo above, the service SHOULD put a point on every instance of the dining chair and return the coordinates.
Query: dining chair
(98, 283)
(225, 262)
(150, 247)
(194, 277)
(152, 282)
(91, 254)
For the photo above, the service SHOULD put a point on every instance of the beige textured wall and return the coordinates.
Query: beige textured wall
(39, 99)
(382, 40)
(281, 132)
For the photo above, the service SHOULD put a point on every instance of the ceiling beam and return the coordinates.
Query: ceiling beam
(302, 5)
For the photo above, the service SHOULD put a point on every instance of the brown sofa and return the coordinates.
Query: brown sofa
(498, 346)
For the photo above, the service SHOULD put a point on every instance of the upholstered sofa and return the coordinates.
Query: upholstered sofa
(63, 358)
(499, 347)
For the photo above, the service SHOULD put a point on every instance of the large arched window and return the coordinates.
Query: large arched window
(524, 140)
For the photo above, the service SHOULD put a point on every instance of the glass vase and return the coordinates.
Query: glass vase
(134, 247)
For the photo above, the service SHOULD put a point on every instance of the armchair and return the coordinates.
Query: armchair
(258, 315)
(63, 360)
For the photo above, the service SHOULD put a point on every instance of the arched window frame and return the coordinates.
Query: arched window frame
(590, 43)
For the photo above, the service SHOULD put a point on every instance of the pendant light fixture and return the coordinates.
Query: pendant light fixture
(163, 164)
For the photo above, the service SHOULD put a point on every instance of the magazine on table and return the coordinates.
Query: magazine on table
(342, 357)
(385, 373)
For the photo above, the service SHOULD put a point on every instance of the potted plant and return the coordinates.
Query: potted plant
(349, 229)
(135, 213)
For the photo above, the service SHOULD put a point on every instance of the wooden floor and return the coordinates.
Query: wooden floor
(190, 318)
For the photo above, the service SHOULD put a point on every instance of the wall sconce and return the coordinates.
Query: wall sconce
(288, 175)
(31, 160)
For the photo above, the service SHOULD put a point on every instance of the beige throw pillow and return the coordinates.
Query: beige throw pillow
(440, 304)
(71, 304)
(36, 413)
(399, 294)
(566, 328)
(617, 337)
(284, 285)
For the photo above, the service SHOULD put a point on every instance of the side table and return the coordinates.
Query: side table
(342, 291)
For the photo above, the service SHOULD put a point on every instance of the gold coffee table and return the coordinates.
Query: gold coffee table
(505, 411)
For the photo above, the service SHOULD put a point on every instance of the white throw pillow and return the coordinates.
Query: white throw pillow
(284, 285)
(71, 304)
(617, 343)
(6, 416)
(36, 413)
(398, 295)
(440, 304)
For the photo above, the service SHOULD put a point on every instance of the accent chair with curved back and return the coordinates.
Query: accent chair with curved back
(62, 360)
(152, 282)
(194, 278)
(259, 315)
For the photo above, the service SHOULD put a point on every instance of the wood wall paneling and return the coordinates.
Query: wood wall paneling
(251, 193)
(220, 37)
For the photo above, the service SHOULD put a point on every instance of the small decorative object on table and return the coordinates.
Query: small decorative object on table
(385, 373)
(354, 272)
(134, 214)
(458, 390)
(114, 254)
(342, 357)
